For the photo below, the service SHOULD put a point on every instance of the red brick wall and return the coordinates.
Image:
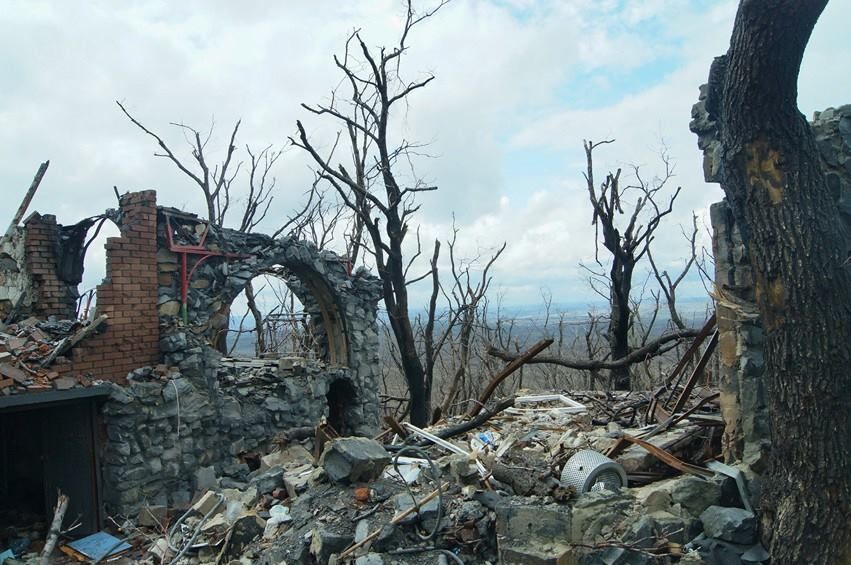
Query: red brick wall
(128, 296)
(51, 296)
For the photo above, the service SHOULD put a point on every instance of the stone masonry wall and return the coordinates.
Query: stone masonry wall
(161, 429)
(743, 400)
(342, 306)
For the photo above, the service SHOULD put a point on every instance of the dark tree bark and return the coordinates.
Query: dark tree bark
(251, 302)
(773, 179)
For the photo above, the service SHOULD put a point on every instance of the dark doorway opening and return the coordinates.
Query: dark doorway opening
(341, 396)
(45, 449)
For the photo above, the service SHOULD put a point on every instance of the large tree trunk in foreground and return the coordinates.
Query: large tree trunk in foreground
(773, 179)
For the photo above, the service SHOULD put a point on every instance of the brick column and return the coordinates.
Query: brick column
(50, 296)
(128, 296)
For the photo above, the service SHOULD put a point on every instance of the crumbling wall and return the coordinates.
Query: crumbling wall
(127, 296)
(194, 410)
(15, 284)
(48, 294)
(743, 397)
(174, 407)
(342, 305)
(37, 278)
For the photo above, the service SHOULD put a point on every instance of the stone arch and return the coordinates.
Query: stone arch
(219, 262)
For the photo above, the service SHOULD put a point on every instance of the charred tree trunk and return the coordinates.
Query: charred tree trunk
(773, 179)
(619, 321)
(251, 302)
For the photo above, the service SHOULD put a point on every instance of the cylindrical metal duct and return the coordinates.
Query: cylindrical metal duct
(589, 470)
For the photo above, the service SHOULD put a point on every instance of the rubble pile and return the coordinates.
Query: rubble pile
(30, 348)
(495, 493)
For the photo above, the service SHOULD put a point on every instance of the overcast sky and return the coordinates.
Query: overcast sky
(519, 84)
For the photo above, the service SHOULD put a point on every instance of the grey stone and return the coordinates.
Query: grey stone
(153, 517)
(717, 552)
(173, 342)
(673, 528)
(756, 554)
(729, 524)
(275, 404)
(615, 556)
(205, 479)
(325, 542)
(595, 512)
(463, 470)
(354, 459)
(361, 530)
(176, 389)
(245, 530)
(658, 501)
(268, 480)
(641, 533)
(426, 514)
(695, 495)
(370, 559)
(532, 533)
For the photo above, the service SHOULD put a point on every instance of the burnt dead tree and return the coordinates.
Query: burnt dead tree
(465, 296)
(772, 176)
(626, 245)
(373, 188)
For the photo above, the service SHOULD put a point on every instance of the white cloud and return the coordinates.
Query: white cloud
(502, 70)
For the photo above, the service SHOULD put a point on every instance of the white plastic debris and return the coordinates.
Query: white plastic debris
(278, 515)
(563, 404)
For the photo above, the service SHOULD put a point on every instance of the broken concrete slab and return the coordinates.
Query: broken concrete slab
(12, 372)
(299, 479)
(354, 459)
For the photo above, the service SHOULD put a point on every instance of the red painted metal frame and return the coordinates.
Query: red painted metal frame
(185, 272)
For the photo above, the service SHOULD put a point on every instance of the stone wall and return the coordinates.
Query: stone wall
(743, 399)
(162, 427)
(342, 306)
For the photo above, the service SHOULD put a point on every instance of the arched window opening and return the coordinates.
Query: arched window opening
(269, 321)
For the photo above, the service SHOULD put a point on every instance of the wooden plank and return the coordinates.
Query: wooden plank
(696, 374)
(22, 209)
(692, 349)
